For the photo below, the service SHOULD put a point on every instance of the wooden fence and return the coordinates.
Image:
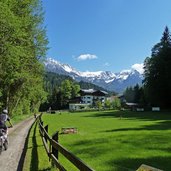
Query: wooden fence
(53, 147)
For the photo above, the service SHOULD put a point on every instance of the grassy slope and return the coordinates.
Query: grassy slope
(108, 143)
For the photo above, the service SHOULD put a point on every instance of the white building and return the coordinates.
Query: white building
(90, 96)
(87, 99)
(78, 106)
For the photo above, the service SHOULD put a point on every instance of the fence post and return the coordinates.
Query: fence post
(55, 137)
(41, 122)
(40, 119)
(46, 128)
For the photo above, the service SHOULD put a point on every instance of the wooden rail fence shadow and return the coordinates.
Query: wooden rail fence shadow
(53, 148)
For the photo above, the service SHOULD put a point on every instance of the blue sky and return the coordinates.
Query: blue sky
(109, 35)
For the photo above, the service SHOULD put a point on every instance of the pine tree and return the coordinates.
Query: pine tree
(157, 82)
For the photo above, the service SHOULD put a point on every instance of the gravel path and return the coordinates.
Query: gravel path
(10, 159)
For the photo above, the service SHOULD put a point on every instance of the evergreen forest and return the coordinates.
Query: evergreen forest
(156, 87)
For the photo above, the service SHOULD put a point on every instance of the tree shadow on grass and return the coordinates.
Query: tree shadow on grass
(34, 154)
(37, 146)
(88, 152)
(159, 162)
(168, 150)
(21, 162)
(148, 116)
(90, 141)
(163, 125)
(91, 147)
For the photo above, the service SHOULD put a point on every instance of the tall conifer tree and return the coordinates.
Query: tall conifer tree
(157, 82)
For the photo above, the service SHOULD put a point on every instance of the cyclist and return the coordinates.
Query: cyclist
(3, 118)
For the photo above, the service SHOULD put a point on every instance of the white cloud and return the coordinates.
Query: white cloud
(107, 64)
(84, 57)
(138, 67)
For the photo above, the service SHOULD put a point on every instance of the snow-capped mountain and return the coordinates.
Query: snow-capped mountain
(111, 81)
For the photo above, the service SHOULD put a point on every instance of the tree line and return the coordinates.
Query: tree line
(23, 46)
(135, 95)
(61, 89)
(156, 87)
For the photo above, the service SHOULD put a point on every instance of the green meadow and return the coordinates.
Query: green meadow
(107, 142)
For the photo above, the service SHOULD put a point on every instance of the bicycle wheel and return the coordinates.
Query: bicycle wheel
(6, 144)
(1, 146)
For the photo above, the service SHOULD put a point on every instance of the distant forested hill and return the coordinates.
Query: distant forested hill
(86, 85)
(52, 80)
(61, 88)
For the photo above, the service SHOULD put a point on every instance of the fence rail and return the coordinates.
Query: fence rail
(52, 148)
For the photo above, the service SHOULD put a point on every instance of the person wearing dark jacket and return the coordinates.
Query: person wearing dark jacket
(3, 119)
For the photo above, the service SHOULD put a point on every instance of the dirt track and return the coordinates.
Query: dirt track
(10, 159)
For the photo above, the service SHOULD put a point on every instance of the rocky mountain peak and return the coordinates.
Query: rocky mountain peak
(112, 81)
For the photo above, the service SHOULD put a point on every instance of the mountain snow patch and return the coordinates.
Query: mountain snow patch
(117, 82)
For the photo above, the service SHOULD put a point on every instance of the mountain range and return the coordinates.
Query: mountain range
(117, 82)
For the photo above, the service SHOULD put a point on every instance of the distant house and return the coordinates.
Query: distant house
(78, 106)
(91, 95)
(112, 98)
(87, 98)
(132, 106)
(122, 98)
(75, 100)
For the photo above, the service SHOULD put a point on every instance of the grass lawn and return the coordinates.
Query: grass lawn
(107, 143)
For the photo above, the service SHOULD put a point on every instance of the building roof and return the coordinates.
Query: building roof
(132, 104)
(88, 90)
(92, 92)
(75, 100)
